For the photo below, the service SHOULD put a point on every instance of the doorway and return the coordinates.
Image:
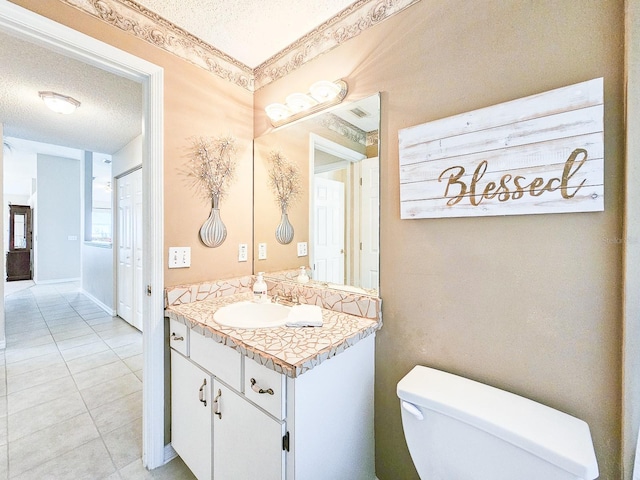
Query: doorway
(20, 254)
(19, 22)
(328, 228)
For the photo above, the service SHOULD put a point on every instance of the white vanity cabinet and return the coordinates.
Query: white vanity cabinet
(265, 425)
(217, 431)
(247, 443)
(191, 412)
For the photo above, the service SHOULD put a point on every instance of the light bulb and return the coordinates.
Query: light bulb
(324, 90)
(277, 111)
(298, 102)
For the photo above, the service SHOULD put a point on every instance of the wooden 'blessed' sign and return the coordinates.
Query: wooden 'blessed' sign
(539, 154)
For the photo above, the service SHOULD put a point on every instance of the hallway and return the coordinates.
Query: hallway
(71, 391)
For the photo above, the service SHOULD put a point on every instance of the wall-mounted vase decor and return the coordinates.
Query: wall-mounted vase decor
(284, 231)
(284, 180)
(212, 167)
(213, 231)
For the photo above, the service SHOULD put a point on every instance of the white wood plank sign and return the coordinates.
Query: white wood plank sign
(538, 154)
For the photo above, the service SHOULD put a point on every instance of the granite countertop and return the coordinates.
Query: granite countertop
(288, 350)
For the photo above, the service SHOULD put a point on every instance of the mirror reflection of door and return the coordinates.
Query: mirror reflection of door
(328, 231)
(19, 256)
(369, 222)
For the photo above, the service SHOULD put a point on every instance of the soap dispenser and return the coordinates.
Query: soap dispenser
(260, 289)
(302, 276)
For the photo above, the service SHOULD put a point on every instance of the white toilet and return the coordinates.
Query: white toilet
(458, 429)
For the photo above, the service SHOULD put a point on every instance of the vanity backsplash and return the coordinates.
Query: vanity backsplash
(353, 303)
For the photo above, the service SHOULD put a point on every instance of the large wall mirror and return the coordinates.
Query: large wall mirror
(332, 160)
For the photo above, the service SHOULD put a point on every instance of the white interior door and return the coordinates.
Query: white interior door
(129, 242)
(138, 290)
(328, 231)
(125, 249)
(370, 223)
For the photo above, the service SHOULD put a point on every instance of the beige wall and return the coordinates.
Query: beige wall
(631, 345)
(197, 103)
(531, 304)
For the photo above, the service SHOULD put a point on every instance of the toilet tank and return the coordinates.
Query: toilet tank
(459, 429)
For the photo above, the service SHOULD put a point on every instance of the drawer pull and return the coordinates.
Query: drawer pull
(201, 393)
(257, 389)
(177, 338)
(216, 404)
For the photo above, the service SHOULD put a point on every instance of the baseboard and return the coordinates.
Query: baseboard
(104, 307)
(59, 280)
(169, 453)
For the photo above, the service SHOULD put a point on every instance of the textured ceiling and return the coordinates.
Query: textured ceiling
(110, 115)
(251, 31)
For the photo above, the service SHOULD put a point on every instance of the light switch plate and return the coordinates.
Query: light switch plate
(302, 249)
(179, 257)
(242, 252)
(262, 251)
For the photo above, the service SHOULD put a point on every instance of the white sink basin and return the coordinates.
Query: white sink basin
(252, 315)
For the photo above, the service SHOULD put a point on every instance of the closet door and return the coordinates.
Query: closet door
(129, 244)
(138, 290)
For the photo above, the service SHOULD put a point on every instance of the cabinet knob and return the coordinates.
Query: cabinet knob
(176, 337)
(257, 389)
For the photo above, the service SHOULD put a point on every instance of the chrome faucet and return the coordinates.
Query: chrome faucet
(285, 299)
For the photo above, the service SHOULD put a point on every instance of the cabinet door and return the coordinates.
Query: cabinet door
(247, 443)
(191, 434)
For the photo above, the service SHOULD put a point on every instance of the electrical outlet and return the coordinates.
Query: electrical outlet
(302, 249)
(179, 257)
(262, 251)
(242, 252)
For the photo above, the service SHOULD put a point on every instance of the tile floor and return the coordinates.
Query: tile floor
(71, 391)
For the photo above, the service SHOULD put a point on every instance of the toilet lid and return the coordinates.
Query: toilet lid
(545, 432)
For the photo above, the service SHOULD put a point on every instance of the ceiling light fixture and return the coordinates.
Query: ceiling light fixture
(322, 94)
(59, 103)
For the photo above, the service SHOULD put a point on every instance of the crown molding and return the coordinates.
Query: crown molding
(140, 22)
(129, 16)
(348, 24)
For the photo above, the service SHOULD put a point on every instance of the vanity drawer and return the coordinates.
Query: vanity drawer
(179, 337)
(221, 361)
(273, 385)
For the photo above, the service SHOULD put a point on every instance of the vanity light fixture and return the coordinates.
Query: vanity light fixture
(322, 94)
(299, 102)
(59, 103)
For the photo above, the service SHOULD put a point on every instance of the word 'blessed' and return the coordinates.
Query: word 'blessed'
(510, 187)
